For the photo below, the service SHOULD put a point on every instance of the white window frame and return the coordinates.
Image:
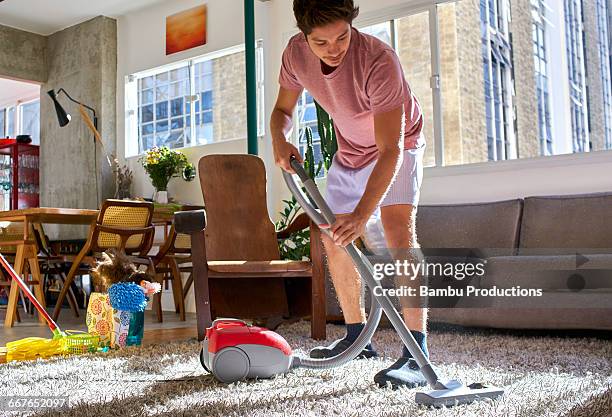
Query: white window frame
(577, 75)
(603, 45)
(501, 146)
(131, 96)
(541, 25)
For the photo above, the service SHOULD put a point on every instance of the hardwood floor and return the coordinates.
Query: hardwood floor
(171, 330)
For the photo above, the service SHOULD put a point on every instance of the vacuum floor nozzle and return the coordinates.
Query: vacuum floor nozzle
(454, 393)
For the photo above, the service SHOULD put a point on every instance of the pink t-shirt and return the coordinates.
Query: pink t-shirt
(368, 81)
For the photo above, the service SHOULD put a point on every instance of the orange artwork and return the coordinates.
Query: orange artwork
(186, 30)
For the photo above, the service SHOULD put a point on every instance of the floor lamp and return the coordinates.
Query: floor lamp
(64, 118)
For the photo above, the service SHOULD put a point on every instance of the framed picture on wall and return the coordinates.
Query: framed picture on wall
(186, 29)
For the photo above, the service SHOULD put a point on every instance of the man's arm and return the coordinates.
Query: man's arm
(280, 126)
(388, 131)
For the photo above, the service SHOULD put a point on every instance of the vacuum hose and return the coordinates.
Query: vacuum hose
(365, 269)
(325, 216)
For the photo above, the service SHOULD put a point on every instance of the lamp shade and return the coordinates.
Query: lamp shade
(63, 118)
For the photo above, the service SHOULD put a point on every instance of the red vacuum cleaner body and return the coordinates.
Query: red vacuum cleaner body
(232, 350)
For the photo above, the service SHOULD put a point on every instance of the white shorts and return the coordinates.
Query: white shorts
(345, 186)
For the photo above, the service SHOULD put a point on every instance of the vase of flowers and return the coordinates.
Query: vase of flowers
(162, 164)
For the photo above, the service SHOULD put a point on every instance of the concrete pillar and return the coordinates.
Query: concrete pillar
(82, 59)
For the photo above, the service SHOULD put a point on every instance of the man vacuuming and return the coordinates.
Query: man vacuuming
(359, 81)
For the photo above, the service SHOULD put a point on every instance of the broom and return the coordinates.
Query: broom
(69, 342)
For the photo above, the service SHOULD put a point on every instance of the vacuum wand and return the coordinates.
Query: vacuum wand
(443, 393)
(363, 265)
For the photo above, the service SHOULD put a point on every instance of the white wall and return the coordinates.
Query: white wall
(141, 46)
(141, 37)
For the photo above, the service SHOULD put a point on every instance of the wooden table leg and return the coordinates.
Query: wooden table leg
(39, 291)
(11, 308)
(177, 288)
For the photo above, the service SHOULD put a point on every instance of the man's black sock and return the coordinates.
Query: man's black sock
(352, 332)
(421, 339)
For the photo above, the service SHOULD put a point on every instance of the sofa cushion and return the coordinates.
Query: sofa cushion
(552, 272)
(567, 224)
(492, 225)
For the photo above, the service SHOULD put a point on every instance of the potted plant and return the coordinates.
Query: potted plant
(162, 164)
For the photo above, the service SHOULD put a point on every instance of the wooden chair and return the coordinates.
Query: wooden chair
(237, 271)
(53, 265)
(124, 225)
(11, 237)
(174, 258)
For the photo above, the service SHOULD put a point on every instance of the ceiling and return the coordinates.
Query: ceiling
(51, 16)
(13, 91)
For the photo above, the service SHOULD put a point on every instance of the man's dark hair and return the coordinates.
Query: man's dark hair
(313, 13)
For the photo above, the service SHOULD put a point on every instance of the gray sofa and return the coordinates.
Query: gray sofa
(561, 244)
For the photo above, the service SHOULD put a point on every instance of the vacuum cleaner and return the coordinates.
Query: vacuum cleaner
(232, 350)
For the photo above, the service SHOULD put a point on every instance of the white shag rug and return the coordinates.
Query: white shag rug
(542, 376)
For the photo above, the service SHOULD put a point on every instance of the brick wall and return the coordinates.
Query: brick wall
(229, 97)
(471, 85)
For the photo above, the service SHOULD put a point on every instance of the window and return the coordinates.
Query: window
(604, 59)
(162, 111)
(10, 122)
(540, 28)
(2, 123)
(189, 103)
(577, 74)
(307, 117)
(30, 120)
(497, 75)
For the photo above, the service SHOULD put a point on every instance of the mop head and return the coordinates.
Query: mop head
(32, 348)
(454, 393)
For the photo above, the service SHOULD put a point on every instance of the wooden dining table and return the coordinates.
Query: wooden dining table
(27, 250)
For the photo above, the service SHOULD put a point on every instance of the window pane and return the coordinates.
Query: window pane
(10, 114)
(147, 129)
(30, 121)
(161, 126)
(146, 96)
(177, 107)
(179, 89)
(179, 74)
(161, 93)
(207, 100)
(207, 117)
(147, 114)
(161, 138)
(381, 30)
(176, 123)
(161, 110)
(207, 82)
(2, 121)
(161, 78)
(146, 143)
(146, 82)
